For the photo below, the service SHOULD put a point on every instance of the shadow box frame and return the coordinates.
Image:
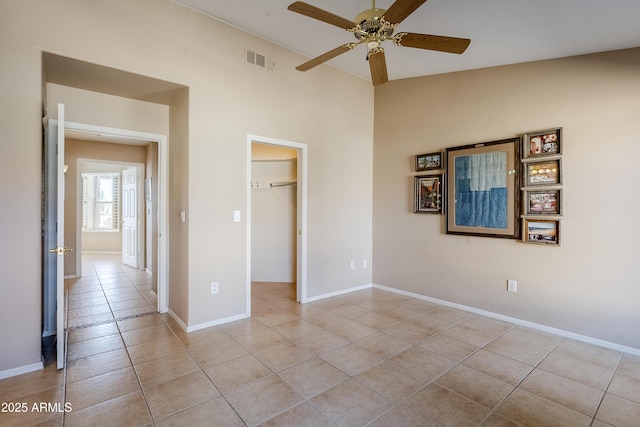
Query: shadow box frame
(538, 144)
(505, 210)
(527, 234)
(418, 195)
(528, 193)
(422, 162)
(529, 165)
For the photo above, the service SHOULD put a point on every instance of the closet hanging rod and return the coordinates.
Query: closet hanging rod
(282, 184)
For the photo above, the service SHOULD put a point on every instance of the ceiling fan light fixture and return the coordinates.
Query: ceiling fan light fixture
(374, 26)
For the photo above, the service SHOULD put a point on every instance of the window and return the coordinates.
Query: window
(100, 196)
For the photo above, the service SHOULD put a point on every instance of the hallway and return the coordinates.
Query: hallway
(107, 292)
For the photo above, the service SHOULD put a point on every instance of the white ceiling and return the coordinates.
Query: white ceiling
(501, 31)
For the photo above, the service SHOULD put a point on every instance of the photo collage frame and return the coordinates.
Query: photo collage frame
(510, 188)
(428, 188)
(542, 186)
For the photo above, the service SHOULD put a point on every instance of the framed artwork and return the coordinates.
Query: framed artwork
(542, 172)
(543, 202)
(543, 231)
(425, 162)
(542, 143)
(428, 194)
(483, 193)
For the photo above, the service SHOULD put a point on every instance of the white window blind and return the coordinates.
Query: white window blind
(100, 201)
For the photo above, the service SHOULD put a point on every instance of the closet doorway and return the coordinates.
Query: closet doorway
(276, 238)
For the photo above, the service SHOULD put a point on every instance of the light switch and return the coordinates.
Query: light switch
(236, 216)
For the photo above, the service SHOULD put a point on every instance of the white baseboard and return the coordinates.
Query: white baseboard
(177, 319)
(206, 324)
(517, 321)
(21, 370)
(337, 293)
(219, 322)
(216, 322)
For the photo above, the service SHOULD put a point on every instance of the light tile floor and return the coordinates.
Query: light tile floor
(370, 357)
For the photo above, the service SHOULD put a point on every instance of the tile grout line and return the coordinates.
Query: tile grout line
(434, 379)
(515, 387)
(607, 388)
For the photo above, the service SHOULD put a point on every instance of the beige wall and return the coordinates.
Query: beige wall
(590, 285)
(208, 125)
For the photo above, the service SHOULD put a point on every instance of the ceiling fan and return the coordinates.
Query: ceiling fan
(372, 27)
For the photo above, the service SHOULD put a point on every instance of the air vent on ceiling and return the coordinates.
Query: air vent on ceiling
(259, 60)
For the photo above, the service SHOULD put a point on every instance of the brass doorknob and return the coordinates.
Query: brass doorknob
(60, 250)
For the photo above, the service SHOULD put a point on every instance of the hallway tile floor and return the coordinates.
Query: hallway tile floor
(368, 358)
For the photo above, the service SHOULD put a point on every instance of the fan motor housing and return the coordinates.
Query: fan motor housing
(370, 23)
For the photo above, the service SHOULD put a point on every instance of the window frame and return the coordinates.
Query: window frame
(89, 226)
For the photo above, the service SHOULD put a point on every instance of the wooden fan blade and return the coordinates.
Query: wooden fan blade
(430, 42)
(321, 15)
(378, 66)
(325, 57)
(401, 9)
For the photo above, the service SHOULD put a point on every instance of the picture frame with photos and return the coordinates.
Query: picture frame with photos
(541, 231)
(428, 194)
(542, 143)
(543, 172)
(542, 202)
(431, 161)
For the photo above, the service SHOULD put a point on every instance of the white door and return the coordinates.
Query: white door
(54, 248)
(130, 217)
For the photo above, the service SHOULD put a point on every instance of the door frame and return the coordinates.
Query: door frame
(163, 195)
(301, 227)
(139, 204)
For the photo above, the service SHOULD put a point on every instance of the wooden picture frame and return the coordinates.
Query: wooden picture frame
(542, 202)
(483, 193)
(542, 143)
(543, 172)
(541, 231)
(427, 194)
(431, 161)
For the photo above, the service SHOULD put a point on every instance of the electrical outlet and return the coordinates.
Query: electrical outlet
(214, 288)
(353, 265)
(364, 264)
(512, 285)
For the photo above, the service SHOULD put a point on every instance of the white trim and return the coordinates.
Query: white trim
(163, 191)
(340, 292)
(216, 322)
(301, 255)
(178, 320)
(520, 322)
(21, 370)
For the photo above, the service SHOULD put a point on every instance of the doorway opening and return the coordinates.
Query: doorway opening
(276, 218)
(109, 211)
(150, 200)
